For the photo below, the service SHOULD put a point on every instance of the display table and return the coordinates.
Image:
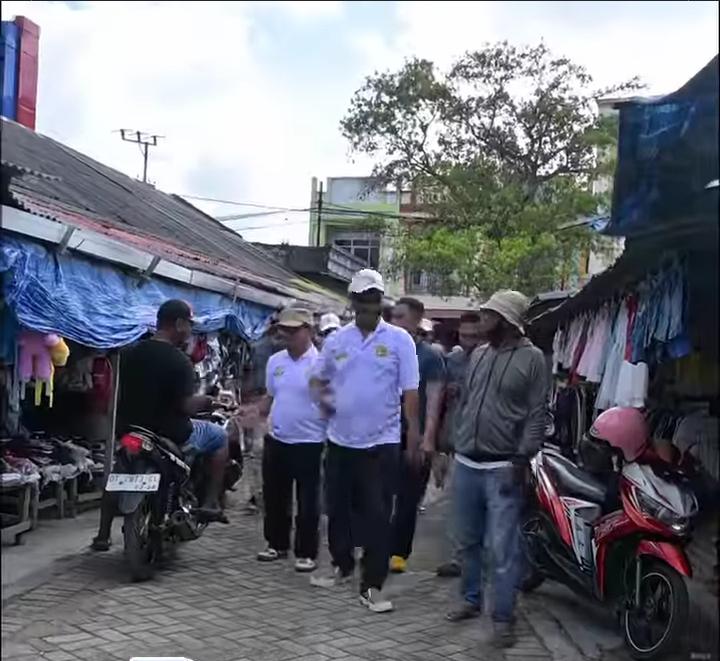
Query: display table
(21, 501)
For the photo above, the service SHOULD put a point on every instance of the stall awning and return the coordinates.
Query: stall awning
(667, 154)
(99, 305)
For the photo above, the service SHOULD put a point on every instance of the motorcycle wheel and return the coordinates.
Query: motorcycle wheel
(531, 578)
(655, 629)
(138, 543)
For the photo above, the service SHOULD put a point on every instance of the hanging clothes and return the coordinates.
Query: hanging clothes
(614, 356)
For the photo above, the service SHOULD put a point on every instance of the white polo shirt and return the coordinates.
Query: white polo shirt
(294, 416)
(367, 377)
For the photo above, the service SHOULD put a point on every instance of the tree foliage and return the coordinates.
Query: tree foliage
(504, 149)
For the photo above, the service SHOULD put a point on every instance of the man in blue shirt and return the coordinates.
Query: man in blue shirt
(413, 478)
(363, 370)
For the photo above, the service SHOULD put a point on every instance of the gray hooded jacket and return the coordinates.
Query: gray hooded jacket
(502, 413)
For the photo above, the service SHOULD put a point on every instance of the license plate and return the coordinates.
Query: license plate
(129, 482)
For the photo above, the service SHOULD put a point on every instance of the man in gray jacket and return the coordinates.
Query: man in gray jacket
(500, 428)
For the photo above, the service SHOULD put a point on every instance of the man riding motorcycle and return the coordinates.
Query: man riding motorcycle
(156, 391)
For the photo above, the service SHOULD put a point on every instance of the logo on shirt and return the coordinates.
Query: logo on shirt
(339, 357)
(381, 351)
(279, 371)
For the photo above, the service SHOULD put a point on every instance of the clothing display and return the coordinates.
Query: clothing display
(47, 460)
(615, 344)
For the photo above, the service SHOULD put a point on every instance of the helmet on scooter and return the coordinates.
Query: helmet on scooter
(624, 429)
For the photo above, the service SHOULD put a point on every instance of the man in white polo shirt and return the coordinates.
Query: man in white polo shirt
(294, 444)
(363, 370)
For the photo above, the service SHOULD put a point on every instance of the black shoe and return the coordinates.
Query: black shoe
(465, 612)
(449, 570)
(100, 545)
(503, 635)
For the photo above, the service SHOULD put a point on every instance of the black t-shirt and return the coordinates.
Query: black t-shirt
(155, 379)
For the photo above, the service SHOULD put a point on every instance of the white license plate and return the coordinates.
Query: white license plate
(129, 482)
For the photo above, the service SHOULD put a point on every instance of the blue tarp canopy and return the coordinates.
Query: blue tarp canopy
(667, 155)
(98, 305)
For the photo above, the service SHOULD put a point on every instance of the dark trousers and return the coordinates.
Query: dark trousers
(411, 486)
(285, 465)
(366, 479)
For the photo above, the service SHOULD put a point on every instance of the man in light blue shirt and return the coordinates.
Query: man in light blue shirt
(294, 444)
(363, 370)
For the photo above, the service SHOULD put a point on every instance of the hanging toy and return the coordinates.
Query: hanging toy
(38, 354)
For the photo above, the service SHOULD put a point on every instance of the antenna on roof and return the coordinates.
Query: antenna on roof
(145, 140)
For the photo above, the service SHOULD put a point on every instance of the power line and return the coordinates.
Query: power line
(335, 208)
(239, 204)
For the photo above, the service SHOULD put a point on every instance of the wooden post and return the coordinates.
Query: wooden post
(110, 440)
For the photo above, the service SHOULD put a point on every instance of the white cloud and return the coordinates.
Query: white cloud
(187, 71)
(665, 48)
(204, 75)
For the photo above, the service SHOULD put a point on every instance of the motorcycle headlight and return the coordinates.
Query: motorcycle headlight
(680, 525)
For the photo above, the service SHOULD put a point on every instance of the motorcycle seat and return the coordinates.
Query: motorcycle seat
(572, 480)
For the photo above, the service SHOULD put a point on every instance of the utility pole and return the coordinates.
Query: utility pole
(319, 213)
(145, 141)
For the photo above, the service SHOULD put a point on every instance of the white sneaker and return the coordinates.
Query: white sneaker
(373, 600)
(270, 555)
(305, 565)
(335, 579)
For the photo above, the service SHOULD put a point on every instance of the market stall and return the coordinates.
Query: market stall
(64, 321)
(644, 333)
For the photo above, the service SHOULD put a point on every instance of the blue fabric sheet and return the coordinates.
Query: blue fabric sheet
(667, 154)
(98, 305)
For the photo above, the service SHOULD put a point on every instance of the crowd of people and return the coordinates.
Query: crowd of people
(353, 419)
(359, 416)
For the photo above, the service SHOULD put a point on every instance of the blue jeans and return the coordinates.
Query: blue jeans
(206, 437)
(488, 503)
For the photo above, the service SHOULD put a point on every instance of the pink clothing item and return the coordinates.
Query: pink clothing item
(592, 363)
(34, 360)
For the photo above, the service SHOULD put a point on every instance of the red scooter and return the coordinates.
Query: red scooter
(617, 540)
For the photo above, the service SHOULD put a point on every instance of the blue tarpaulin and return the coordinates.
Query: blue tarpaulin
(100, 306)
(667, 155)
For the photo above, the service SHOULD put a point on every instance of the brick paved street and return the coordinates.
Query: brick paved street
(219, 604)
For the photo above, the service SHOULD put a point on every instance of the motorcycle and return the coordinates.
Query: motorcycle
(619, 542)
(158, 488)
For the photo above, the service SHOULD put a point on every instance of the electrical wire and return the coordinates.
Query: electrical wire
(335, 208)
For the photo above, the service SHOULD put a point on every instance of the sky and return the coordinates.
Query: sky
(249, 95)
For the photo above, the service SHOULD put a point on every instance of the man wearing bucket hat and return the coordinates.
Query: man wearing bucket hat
(500, 427)
(363, 370)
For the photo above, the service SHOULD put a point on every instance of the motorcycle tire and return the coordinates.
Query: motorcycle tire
(138, 543)
(678, 618)
(531, 578)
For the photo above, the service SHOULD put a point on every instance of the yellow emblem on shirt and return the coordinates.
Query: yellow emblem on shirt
(339, 357)
(381, 351)
(279, 371)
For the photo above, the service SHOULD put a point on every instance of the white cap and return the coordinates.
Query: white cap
(426, 326)
(328, 321)
(365, 280)
(510, 305)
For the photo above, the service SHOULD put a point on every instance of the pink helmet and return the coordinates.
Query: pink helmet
(624, 429)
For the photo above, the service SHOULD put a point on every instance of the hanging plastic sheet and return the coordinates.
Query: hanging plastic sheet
(96, 304)
(667, 155)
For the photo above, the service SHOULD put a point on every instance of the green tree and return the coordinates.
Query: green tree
(505, 146)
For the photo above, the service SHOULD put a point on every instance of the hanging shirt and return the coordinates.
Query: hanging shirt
(295, 417)
(367, 376)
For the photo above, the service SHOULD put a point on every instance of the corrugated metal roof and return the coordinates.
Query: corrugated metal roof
(63, 184)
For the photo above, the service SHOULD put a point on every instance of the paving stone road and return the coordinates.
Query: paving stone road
(217, 603)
